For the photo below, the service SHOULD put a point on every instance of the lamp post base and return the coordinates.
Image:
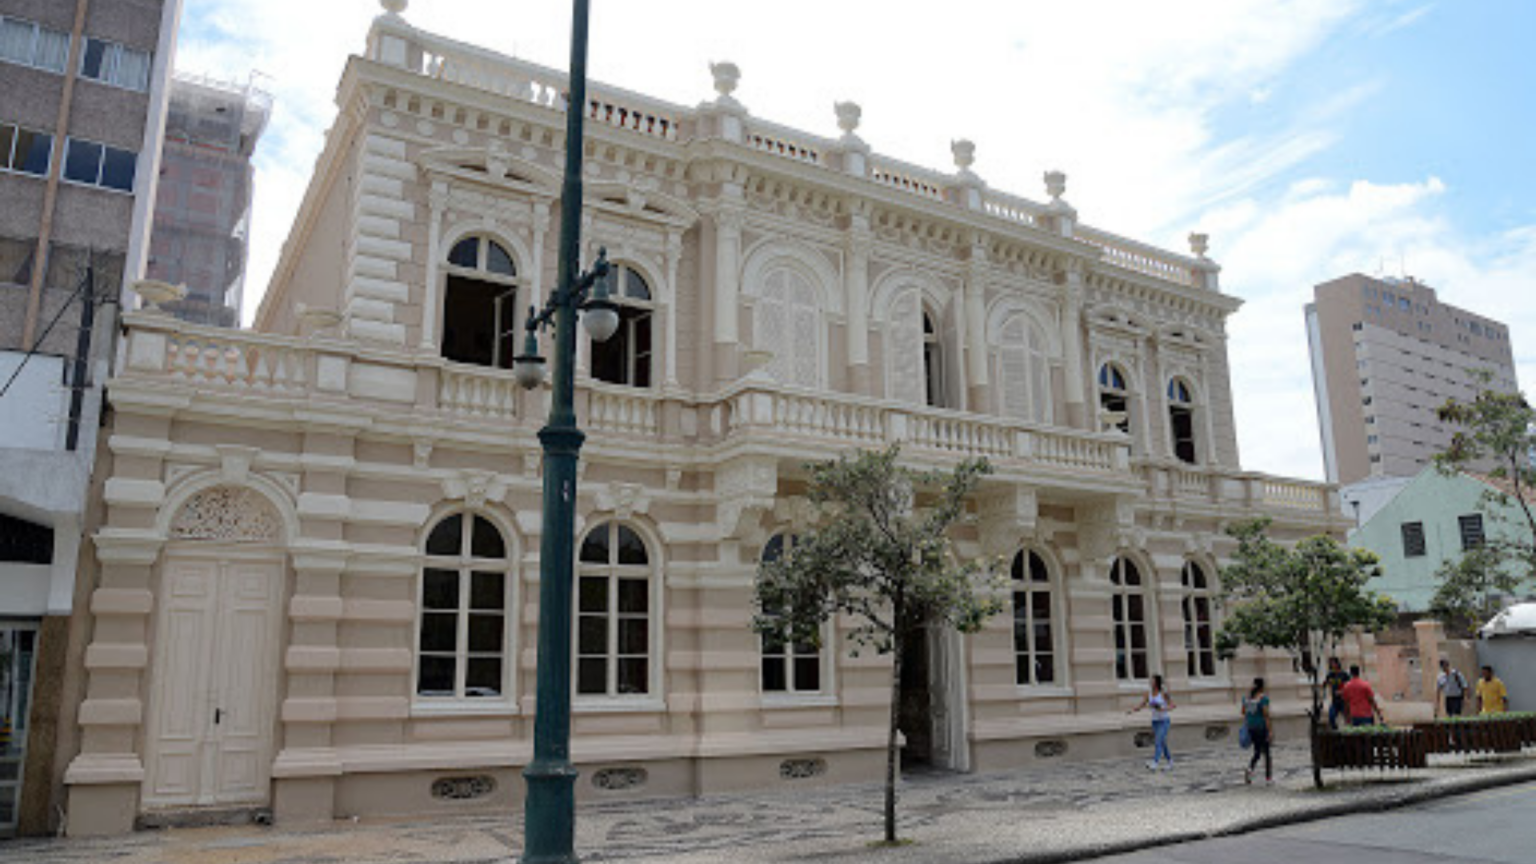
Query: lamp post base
(549, 816)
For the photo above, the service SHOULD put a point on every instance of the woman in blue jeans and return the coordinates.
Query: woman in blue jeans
(1158, 700)
(1256, 718)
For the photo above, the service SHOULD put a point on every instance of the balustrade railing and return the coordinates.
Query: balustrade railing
(1139, 257)
(1292, 495)
(1012, 208)
(233, 360)
(623, 412)
(909, 178)
(477, 392)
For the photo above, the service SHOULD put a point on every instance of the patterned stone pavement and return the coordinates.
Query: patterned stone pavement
(953, 818)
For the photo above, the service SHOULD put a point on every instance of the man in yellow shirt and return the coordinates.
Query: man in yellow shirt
(1492, 698)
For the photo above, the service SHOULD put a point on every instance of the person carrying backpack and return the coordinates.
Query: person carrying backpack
(1256, 722)
(1452, 687)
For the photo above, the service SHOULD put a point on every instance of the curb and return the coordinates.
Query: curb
(1449, 789)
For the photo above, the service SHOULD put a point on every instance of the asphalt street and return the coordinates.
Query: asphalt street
(1494, 827)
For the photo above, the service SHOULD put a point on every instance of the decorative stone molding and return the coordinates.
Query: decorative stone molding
(623, 500)
(802, 769)
(796, 511)
(619, 779)
(227, 513)
(1008, 519)
(463, 788)
(745, 489)
(474, 487)
(235, 462)
(1104, 529)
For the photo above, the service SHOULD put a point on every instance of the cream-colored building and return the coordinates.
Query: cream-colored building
(317, 581)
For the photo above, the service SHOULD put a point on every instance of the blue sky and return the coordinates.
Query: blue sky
(1310, 138)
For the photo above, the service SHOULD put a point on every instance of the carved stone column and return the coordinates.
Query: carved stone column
(728, 217)
(669, 291)
(976, 328)
(1078, 416)
(859, 246)
(432, 298)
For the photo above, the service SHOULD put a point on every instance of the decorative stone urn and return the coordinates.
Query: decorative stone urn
(394, 7)
(727, 76)
(965, 154)
(153, 292)
(1055, 184)
(848, 115)
(1199, 243)
(755, 359)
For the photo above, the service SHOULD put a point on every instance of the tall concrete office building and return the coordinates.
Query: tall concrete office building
(203, 206)
(1386, 353)
(85, 85)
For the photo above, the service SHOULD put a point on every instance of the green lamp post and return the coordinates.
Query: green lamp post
(549, 824)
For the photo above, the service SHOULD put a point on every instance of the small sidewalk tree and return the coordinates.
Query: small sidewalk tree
(879, 552)
(1302, 600)
(1499, 429)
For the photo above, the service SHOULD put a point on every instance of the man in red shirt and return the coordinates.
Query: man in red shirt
(1359, 699)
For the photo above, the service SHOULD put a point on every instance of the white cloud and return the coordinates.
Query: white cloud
(1122, 96)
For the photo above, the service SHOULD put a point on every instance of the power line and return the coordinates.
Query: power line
(84, 281)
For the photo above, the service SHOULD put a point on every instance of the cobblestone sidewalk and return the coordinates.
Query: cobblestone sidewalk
(1066, 809)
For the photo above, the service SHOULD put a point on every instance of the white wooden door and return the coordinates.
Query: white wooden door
(215, 683)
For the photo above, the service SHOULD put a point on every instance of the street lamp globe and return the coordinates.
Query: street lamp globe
(601, 319)
(528, 367)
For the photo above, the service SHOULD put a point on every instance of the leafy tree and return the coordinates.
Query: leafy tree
(1303, 600)
(880, 553)
(1496, 428)
(1472, 585)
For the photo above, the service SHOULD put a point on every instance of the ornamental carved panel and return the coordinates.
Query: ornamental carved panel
(802, 769)
(619, 779)
(463, 788)
(229, 514)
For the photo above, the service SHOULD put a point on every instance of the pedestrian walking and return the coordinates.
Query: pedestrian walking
(1360, 700)
(1492, 698)
(1337, 677)
(1257, 723)
(1160, 703)
(1451, 686)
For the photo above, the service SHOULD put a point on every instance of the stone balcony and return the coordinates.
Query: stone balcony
(217, 373)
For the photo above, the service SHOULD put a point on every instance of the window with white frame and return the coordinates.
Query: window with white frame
(1024, 370)
(786, 321)
(613, 613)
(1181, 420)
(24, 150)
(1128, 611)
(99, 165)
(1199, 641)
(480, 304)
(789, 665)
(111, 63)
(29, 44)
(466, 585)
(625, 358)
(1115, 396)
(1034, 647)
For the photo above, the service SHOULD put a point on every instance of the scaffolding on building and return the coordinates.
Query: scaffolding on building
(203, 206)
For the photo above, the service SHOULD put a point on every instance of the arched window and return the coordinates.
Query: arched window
(1199, 645)
(613, 623)
(480, 304)
(787, 322)
(1033, 634)
(1115, 396)
(933, 362)
(1128, 608)
(1181, 420)
(788, 666)
(466, 586)
(626, 357)
(1024, 371)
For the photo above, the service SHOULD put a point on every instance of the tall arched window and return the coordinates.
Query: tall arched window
(1114, 395)
(1181, 420)
(466, 587)
(1128, 609)
(1199, 644)
(1024, 371)
(789, 666)
(613, 613)
(933, 363)
(1033, 619)
(787, 322)
(626, 357)
(480, 304)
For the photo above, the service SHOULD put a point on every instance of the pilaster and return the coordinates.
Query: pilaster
(377, 248)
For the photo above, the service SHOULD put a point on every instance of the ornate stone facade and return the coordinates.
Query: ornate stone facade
(781, 291)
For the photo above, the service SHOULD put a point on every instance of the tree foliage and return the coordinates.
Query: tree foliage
(1303, 600)
(879, 552)
(1472, 586)
(1497, 428)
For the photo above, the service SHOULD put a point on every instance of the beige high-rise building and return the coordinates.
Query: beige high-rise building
(1386, 353)
(319, 539)
(83, 88)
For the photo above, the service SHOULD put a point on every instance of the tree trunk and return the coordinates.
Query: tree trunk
(892, 755)
(1314, 725)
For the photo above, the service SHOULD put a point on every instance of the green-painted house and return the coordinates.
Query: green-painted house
(1432, 520)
